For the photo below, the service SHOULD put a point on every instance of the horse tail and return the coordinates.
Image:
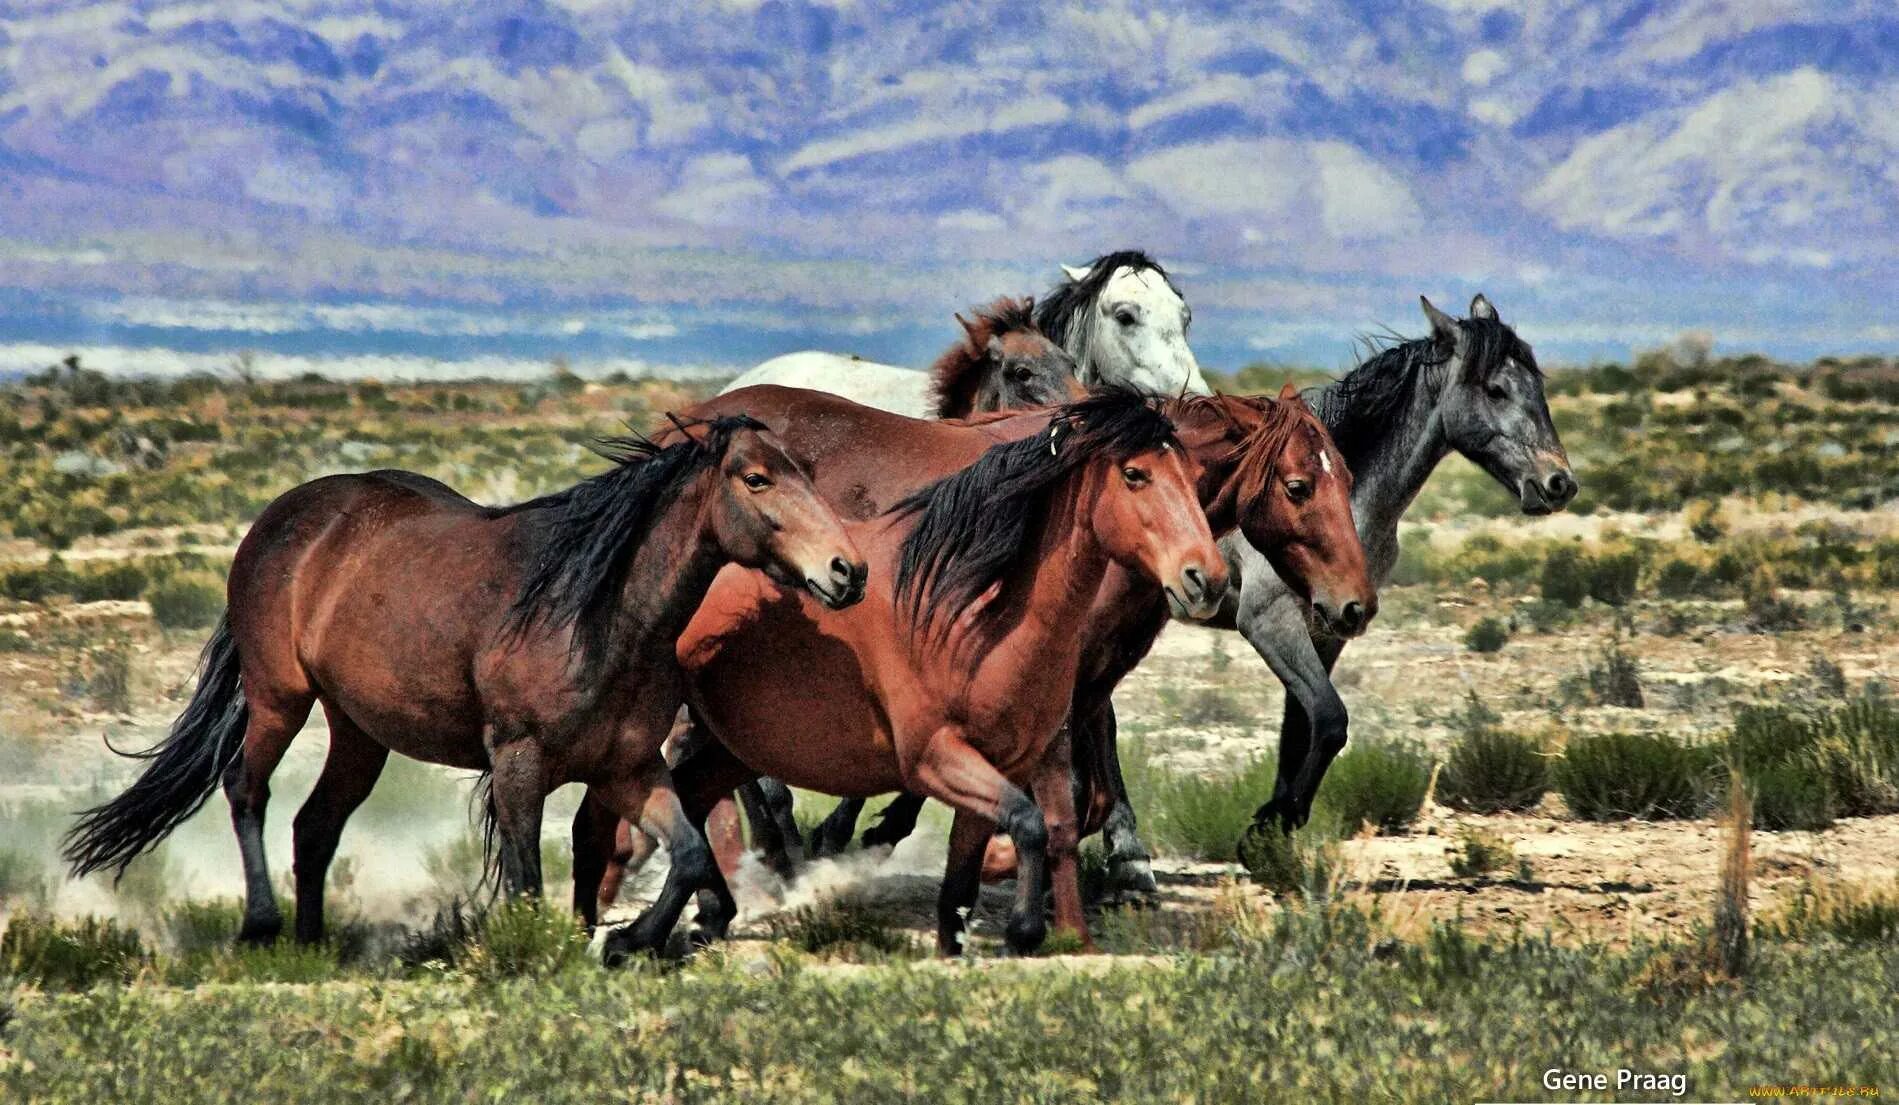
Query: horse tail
(484, 796)
(184, 769)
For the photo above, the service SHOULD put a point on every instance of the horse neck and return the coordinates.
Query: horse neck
(1069, 565)
(671, 573)
(1390, 467)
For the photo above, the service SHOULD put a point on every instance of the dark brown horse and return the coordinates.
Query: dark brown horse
(952, 678)
(1002, 363)
(1264, 471)
(534, 642)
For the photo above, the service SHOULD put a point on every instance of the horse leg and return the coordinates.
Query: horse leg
(604, 851)
(1096, 734)
(726, 836)
(895, 821)
(1275, 626)
(518, 791)
(694, 787)
(1055, 794)
(648, 799)
(833, 834)
(953, 772)
(1328, 738)
(275, 717)
(962, 880)
(350, 771)
(763, 807)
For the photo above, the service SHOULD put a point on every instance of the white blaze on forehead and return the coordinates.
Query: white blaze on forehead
(1325, 462)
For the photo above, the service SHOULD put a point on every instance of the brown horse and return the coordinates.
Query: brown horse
(952, 677)
(1002, 363)
(534, 642)
(1263, 471)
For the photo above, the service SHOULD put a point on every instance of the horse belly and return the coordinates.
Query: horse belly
(393, 648)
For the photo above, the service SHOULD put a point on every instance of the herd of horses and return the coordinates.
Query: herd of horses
(846, 577)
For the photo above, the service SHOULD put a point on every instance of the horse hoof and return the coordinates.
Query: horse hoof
(621, 945)
(1026, 933)
(1132, 880)
(259, 934)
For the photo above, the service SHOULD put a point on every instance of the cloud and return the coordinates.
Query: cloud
(720, 189)
(1793, 167)
(1278, 181)
(925, 128)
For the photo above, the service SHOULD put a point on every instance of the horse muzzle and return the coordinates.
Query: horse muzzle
(1346, 619)
(1547, 494)
(841, 584)
(1197, 592)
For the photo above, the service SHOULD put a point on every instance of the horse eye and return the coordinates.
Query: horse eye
(1298, 490)
(1125, 318)
(1497, 392)
(1019, 374)
(1134, 475)
(757, 481)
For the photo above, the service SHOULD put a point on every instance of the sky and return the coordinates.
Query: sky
(378, 186)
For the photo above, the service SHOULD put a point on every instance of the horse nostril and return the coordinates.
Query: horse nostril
(1560, 486)
(840, 569)
(1351, 616)
(1196, 581)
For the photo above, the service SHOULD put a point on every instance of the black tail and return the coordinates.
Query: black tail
(185, 769)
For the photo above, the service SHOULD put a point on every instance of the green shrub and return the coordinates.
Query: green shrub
(1194, 816)
(1612, 577)
(120, 581)
(204, 926)
(1377, 781)
(1565, 576)
(525, 938)
(1488, 769)
(60, 956)
(189, 600)
(1807, 766)
(1301, 863)
(1854, 913)
(1677, 578)
(1477, 853)
(1616, 680)
(107, 677)
(1488, 635)
(1623, 775)
(845, 921)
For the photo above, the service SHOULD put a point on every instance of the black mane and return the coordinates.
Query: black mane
(1360, 407)
(1060, 310)
(974, 527)
(577, 568)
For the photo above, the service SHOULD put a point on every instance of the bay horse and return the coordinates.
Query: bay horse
(533, 643)
(952, 677)
(1265, 470)
(1121, 319)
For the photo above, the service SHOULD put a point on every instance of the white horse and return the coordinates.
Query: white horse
(1120, 317)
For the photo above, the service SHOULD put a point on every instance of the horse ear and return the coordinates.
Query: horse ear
(969, 336)
(1288, 392)
(1481, 308)
(1075, 273)
(1443, 326)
